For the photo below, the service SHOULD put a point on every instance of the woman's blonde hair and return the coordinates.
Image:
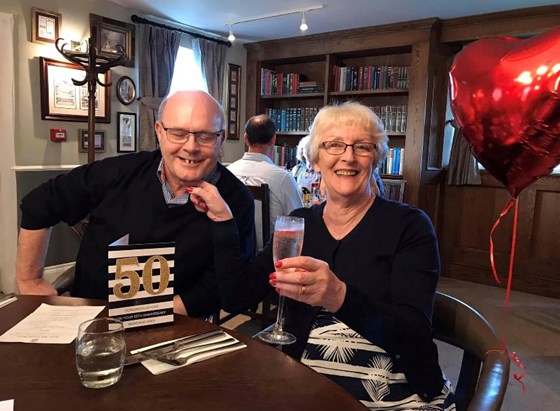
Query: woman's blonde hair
(349, 113)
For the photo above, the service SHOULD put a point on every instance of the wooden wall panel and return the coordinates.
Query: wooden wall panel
(469, 213)
(545, 233)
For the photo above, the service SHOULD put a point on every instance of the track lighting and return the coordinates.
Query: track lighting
(303, 25)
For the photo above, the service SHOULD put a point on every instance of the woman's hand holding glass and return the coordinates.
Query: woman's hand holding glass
(309, 280)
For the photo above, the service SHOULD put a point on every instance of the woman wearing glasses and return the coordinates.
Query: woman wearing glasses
(360, 298)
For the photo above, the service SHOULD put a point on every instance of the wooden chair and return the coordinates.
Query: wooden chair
(484, 372)
(262, 194)
(394, 189)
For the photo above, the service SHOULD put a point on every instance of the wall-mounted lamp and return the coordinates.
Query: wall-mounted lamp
(303, 26)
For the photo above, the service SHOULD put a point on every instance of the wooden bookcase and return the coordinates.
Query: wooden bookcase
(316, 59)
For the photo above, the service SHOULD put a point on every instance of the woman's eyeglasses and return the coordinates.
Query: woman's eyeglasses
(181, 136)
(337, 148)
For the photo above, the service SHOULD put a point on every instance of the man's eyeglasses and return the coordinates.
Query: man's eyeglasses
(337, 148)
(181, 136)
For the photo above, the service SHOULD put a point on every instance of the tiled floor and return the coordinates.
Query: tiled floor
(531, 329)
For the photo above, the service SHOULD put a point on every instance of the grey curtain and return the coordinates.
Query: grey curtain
(212, 58)
(463, 167)
(158, 50)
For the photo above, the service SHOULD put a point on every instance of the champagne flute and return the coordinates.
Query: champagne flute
(287, 242)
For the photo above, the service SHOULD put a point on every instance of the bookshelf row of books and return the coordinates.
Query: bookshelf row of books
(292, 119)
(393, 117)
(370, 78)
(276, 84)
(285, 156)
(393, 164)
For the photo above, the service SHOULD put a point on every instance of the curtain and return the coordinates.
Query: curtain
(463, 167)
(158, 51)
(212, 59)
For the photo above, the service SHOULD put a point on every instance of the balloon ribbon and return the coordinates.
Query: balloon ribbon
(516, 360)
(511, 203)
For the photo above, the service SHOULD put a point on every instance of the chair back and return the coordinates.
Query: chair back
(484, 372)
(394, 189)
(262, 193)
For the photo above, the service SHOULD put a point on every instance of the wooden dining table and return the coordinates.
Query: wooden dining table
(258, 377)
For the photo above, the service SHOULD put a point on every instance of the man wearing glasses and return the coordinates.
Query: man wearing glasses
(146, 196)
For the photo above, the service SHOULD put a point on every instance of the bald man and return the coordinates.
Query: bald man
(145, 195)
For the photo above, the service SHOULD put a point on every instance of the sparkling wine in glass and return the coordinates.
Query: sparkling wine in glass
(287, 242)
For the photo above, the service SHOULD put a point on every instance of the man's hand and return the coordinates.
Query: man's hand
(30, 262)
(178, 306)
(35, 286)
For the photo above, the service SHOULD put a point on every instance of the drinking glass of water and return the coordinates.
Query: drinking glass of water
(100, 352)
(287, 242)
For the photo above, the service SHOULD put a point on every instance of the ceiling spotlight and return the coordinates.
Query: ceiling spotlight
(231, 37)
(303, 25)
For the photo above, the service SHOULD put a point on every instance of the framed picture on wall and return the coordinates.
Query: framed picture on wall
(61, 100)
(233, 101)
(112, 37)
(126, 90)
(126, 132)
(45, 26)
(84, 141)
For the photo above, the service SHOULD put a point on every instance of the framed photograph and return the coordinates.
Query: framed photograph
(61, 100)
(126, 90)
(108, 36)
(84, 140)
(45, 26)
(233, 101)
(126, 132)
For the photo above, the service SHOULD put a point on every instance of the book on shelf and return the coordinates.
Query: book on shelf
(393, 164)
(275, 83)
(296, 119)
(285, 156)
(392, 116)
(358, 78)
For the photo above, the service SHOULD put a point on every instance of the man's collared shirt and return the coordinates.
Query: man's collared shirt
(170, 199)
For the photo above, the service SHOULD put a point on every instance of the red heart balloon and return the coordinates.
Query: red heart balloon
(504, 95)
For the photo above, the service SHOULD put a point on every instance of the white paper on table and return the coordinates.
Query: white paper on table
(5, 303)
(7, 405)
(51, 324)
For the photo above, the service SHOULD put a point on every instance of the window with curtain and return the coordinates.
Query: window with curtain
(187, 74)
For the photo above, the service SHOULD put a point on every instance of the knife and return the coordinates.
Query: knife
(4, 297)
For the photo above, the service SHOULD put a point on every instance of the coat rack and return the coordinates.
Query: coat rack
(94, 65)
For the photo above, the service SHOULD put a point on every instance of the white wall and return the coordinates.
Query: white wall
(8, 225)
(26, 142)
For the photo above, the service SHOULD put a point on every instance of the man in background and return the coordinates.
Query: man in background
(256, 168)
(144, 195)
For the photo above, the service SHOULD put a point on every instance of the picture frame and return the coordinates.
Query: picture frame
(107, 34)
(83, 141)
(126, 132)
(45, 26)
(126, 90)
(233, 101)
(61, 100)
